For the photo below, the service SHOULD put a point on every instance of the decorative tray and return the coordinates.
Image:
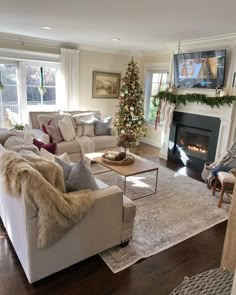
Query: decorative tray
(109, 158)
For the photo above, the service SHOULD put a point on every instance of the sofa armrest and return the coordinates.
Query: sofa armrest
(112, 131)
(108, 192)
(40, 135)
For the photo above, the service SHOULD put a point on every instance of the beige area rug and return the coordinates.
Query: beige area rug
(182, 208)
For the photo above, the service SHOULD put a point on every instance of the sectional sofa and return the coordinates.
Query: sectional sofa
(82, 128)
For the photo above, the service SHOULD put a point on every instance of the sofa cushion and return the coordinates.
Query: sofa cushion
(51, 157)
(69, 147)
(104, 142)
(67, 129)
(33, 117)
(80, 177)
(18, 143)
(44, 119)
(50, 147)
(4, 134)
(102, 126)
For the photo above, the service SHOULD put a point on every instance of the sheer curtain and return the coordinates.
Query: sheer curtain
(70, 79)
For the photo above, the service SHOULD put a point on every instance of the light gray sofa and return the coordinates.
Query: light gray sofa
(107, 224)
(72, 148)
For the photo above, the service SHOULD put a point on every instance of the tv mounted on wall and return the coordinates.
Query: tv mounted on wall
(200, 69)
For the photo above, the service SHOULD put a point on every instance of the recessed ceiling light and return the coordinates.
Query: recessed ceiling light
(115, 39)
(47, 27)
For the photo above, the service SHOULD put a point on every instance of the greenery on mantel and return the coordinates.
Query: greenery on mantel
(212, 101)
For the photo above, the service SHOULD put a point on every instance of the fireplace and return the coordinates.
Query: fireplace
(193, 139)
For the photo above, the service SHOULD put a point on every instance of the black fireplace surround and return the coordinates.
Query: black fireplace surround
(193, 139)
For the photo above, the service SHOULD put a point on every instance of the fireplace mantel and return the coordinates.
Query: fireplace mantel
(227, 127)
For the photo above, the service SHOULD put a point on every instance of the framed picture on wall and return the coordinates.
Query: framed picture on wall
(106, 85)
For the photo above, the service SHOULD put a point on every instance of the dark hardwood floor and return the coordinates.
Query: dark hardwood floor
(157, 275)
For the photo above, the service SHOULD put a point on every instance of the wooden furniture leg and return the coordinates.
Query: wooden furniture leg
(213, 190)
(222, 191)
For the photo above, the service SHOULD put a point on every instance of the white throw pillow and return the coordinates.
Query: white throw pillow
(67, 128)
(51, 157)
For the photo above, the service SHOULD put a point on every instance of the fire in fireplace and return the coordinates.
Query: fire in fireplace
(192, 142)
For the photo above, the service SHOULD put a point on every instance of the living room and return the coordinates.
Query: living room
(106, 44)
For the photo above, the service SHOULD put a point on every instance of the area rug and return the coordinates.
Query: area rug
(181, 208)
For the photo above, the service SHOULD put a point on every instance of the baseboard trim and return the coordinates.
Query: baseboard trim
(151, 142)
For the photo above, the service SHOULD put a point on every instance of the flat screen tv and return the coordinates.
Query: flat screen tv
(200, 69)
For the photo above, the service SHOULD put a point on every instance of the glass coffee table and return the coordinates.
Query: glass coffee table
(139, 166)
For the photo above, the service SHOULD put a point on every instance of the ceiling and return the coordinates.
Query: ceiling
(142, 26)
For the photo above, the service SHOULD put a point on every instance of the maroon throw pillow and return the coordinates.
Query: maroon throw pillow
(50, 147)
(44, 128)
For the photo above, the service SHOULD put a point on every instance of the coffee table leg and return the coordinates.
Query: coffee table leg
(156, 181)
(125, 186)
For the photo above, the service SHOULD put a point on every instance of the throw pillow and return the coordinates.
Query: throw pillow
(50, 147)
(66, 167)
(77, 176)
(102, 127)
(88, 127)
(83, 117)
(44, 129)
(45, 154)
(18, 143)
(67, 129)
(79, 130)
(80, 177)
(54, 132)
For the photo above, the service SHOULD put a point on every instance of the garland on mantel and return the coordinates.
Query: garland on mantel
(212, 101)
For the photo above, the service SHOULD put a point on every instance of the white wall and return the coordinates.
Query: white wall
(105, 62)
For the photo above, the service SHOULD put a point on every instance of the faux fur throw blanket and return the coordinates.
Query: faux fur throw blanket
(41, 183)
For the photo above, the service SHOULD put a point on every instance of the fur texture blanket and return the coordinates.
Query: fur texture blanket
(41, 183)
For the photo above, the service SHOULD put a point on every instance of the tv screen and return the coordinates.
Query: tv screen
(200, 69)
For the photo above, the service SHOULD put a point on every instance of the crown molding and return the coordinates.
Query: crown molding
(26, 55)
(24, 41)
(109, 50)
(227, 40)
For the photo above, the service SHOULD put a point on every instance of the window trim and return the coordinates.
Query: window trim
(149, 69)
(20, 65)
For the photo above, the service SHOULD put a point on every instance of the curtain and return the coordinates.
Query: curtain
(70, 79)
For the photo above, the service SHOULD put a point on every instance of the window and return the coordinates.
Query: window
(9, 93)
(155, 82)
(27, 86)
(40, 85)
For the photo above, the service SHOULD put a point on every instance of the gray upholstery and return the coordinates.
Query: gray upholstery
(68, 147)
(104, 142)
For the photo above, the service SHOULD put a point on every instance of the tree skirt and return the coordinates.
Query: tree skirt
(181, 208)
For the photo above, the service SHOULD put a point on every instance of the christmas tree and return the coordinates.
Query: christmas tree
(130, 116)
